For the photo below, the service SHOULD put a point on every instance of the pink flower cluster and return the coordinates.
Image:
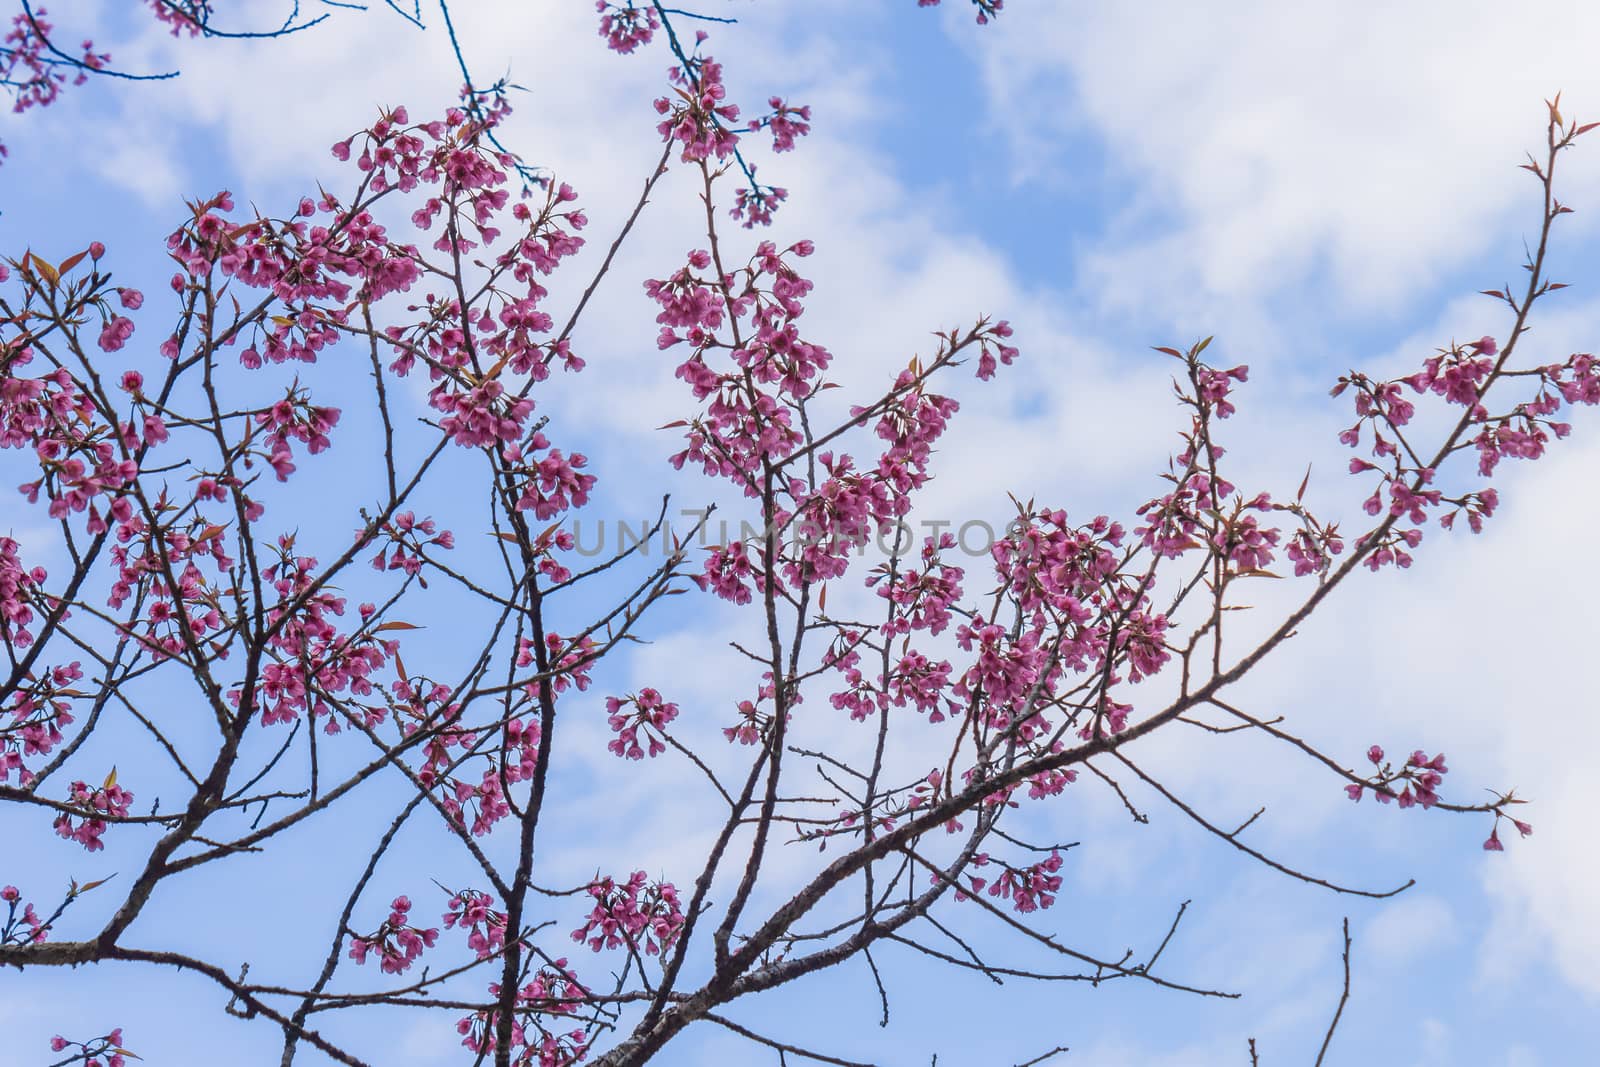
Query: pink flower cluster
(408, 538)
(94, 806)
(1461, 375)
(397, 943)
(170, 610)
(39, 708)
(730, 572)
(1578, 378)
(553, 993)
(1492, 843)
(919, 600)
(1028, 888)
(1216, 385)
(741, 426)
(115, 333)
(1059, 574)
(570, 662)
(307, 647)
(328, 257)
(1244, 542)
(785, 123)
(640, 914)
(182, 17)
(468, 353)
(914, 679)
(294, 418)
(103, 1051)
(1141, 638)
(700, 115)
(644, 714)
(1418, 779)
(922, 598)
(752, 723)
(1049, 564)
(421, 705)
(838, 517)
(1172, 522)
(755, 203)
(746, 425)
(1311, 549)
(627, 26)
(20, 588)
(24, 927)
(547, 485)
(913, 420)
(30, 68)
(1050, 783)
(486, 798)
(301, 263)
(552, 539)
(81, 459)
(1004, 672)
(473, 912)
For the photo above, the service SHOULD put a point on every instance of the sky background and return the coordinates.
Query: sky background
(1320, 186)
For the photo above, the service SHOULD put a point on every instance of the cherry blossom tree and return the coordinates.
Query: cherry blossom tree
(204, 680)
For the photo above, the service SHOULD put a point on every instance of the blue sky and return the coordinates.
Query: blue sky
(1318, 187)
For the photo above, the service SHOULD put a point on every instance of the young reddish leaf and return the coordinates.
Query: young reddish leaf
(500, 365)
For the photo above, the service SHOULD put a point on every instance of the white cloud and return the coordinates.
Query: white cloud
(1265, 146)
(1408, 928)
